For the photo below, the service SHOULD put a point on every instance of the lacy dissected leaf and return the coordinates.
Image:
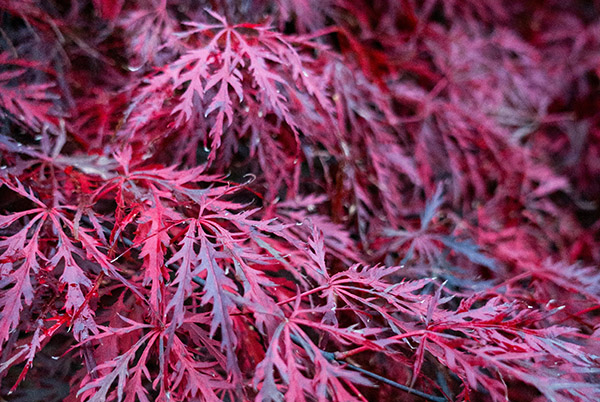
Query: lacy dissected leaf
(248, 60)
(280, 377)
(501, 336)
(35, 105)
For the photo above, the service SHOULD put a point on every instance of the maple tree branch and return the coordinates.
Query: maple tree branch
(330, 356)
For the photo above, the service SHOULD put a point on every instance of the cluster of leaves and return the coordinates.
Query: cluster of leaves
(299, 200)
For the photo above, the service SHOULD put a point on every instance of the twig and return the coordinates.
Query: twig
(330, 356)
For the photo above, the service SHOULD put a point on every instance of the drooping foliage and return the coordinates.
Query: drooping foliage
(299, 200)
